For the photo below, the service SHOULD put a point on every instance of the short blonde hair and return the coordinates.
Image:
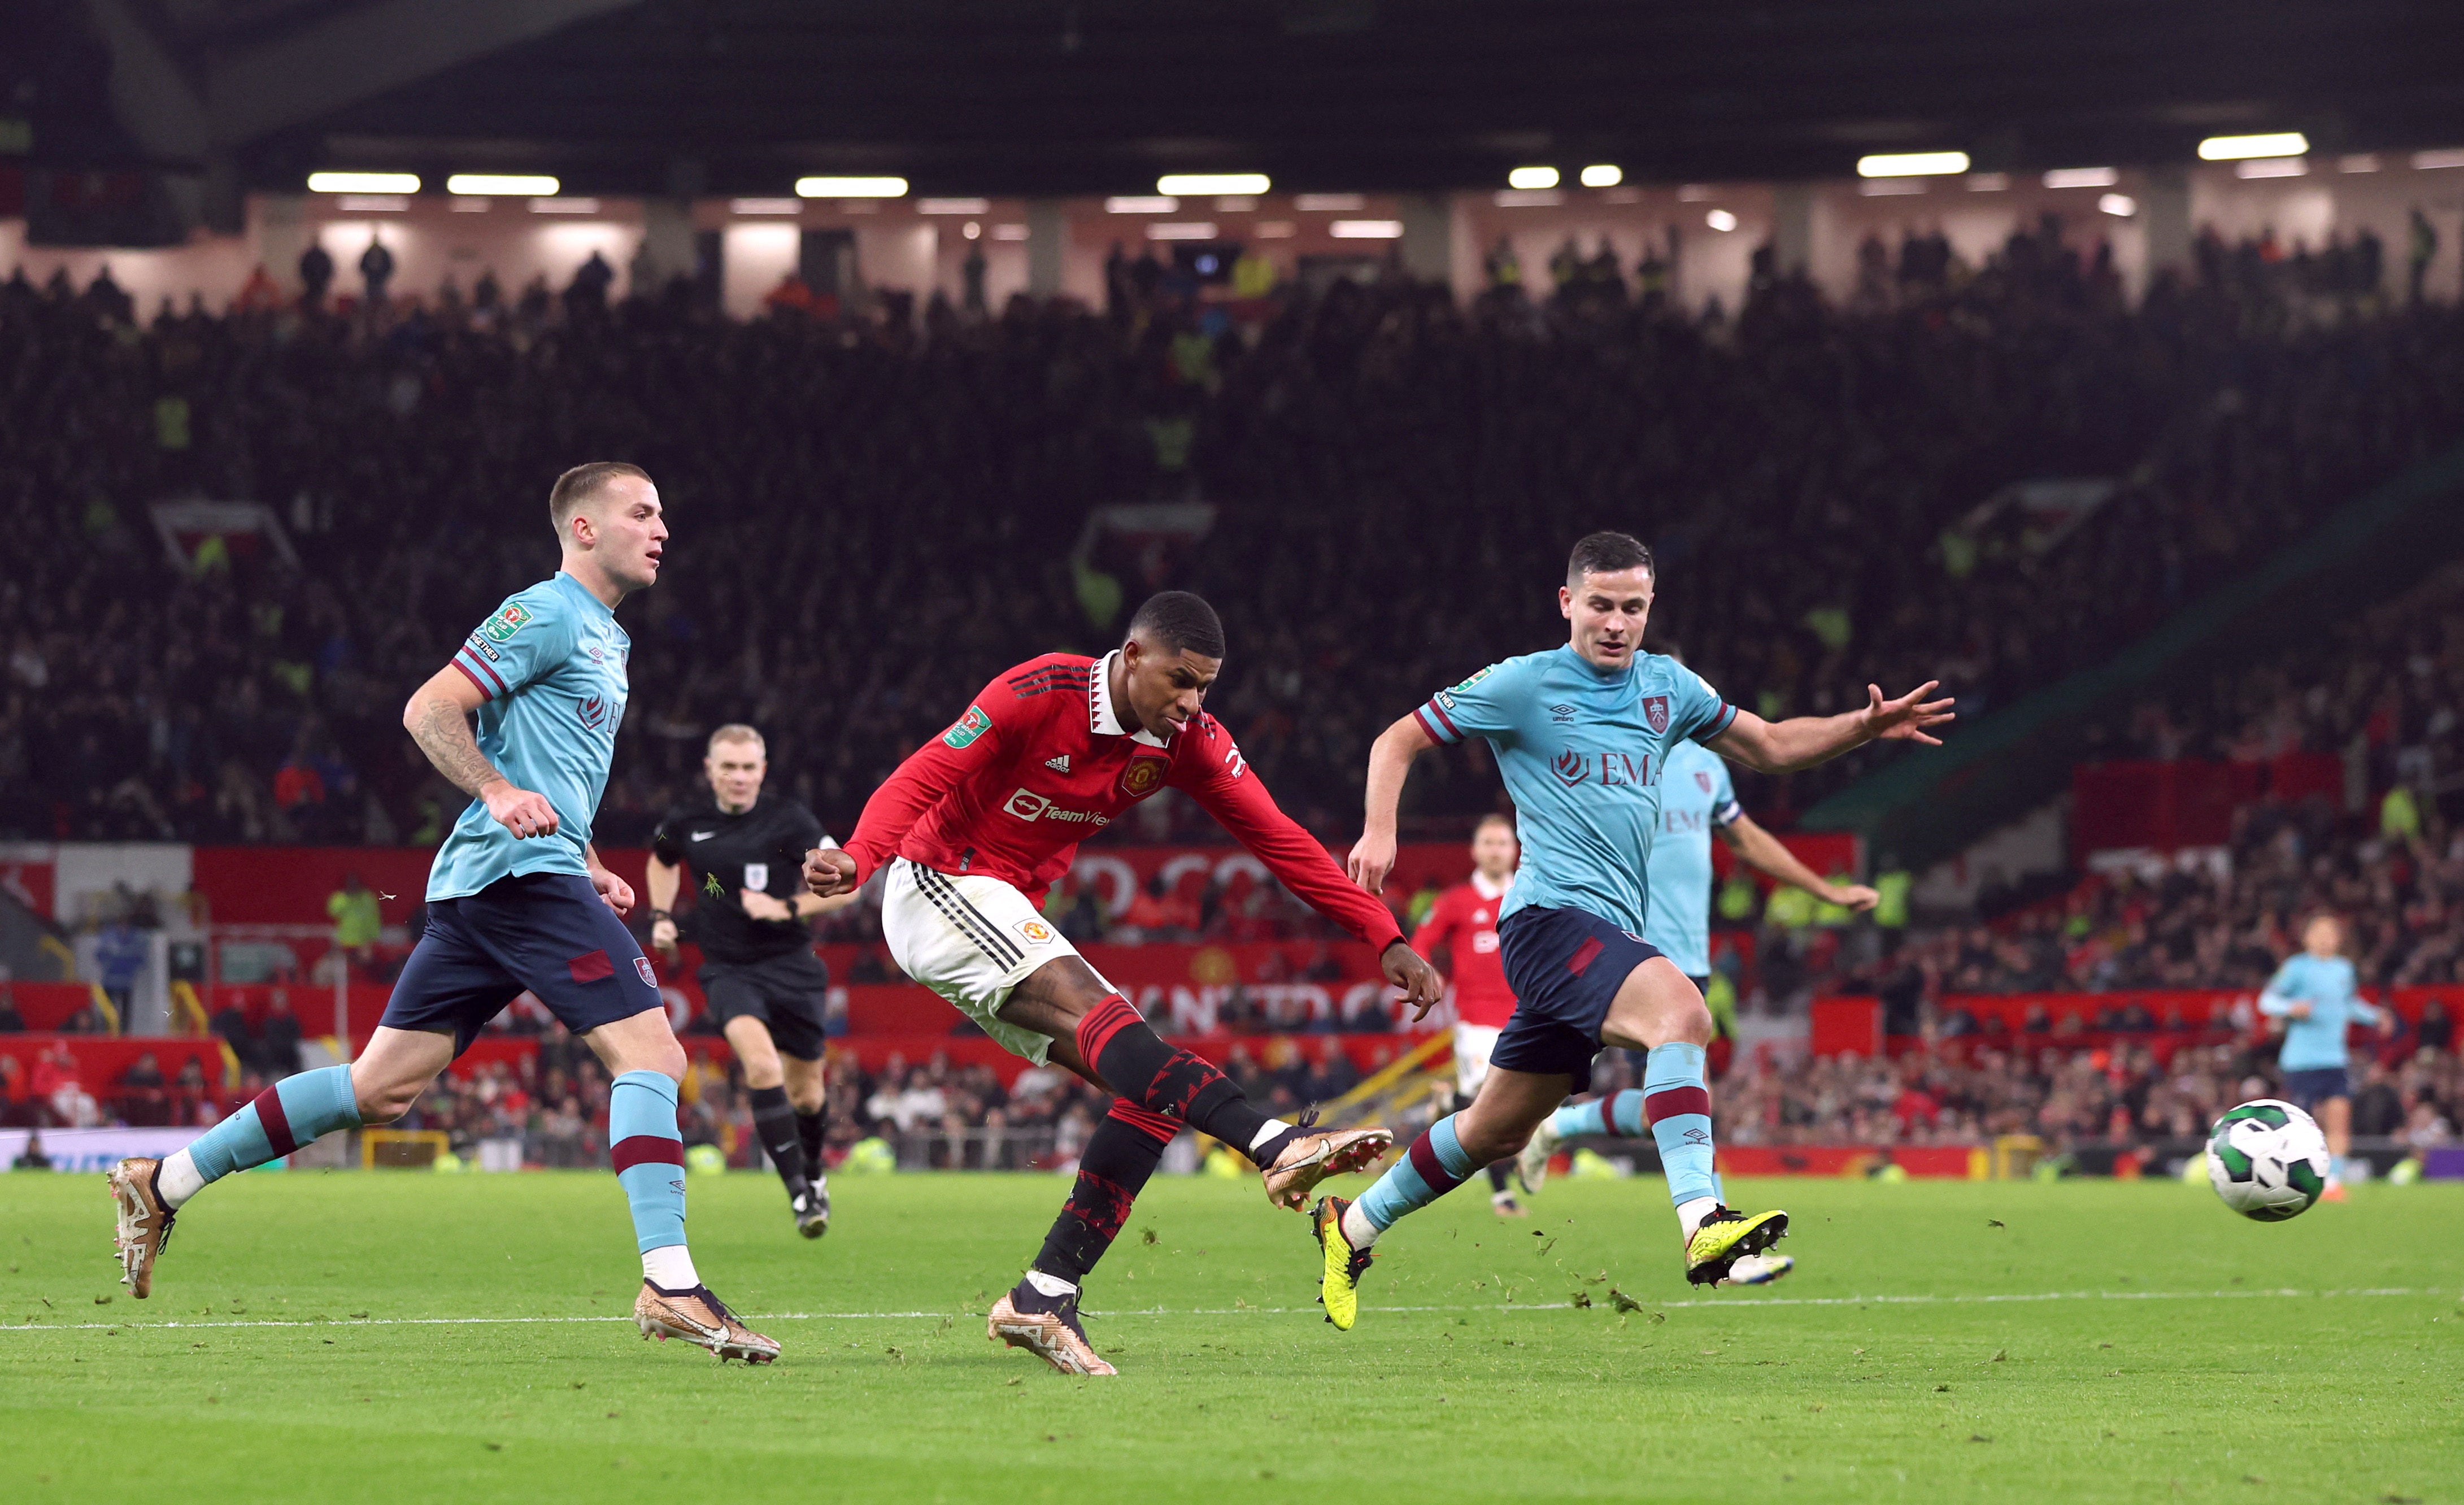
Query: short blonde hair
(583, 483)
(735, 732)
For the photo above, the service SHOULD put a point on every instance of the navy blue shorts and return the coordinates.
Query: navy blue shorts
(2307, 1089)
(549, 933)
(1565, 966)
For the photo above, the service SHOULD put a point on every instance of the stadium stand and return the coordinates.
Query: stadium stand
(1809, 476)
(1815, 478)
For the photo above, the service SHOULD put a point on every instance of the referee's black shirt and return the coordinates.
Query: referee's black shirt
(761, 849)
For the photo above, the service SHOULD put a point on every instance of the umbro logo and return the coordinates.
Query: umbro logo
(1059, 765)
(1561, 712)
(703, 835)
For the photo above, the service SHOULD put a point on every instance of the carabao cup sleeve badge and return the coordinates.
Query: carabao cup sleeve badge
(972, 725)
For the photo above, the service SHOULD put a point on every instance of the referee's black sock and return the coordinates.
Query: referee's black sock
(809, 1130)
(1164, 1079)
(1119, 1157)
(776, 1123)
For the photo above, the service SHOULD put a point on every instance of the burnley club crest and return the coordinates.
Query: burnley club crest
(1655, 710)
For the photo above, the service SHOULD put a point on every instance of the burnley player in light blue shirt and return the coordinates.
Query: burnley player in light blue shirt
(518, 902)
(2315, 993)
(1696, 797)
(1582, 734)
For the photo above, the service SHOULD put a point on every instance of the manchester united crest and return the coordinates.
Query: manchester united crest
(1143, 777)
(1655, 710)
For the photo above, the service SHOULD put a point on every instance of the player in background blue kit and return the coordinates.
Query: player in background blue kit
(2315, 993)
(1696, 797)
(1582, 734)
(518, 900)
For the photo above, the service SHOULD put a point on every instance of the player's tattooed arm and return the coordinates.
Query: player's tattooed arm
(438, 718)
(1803, 740)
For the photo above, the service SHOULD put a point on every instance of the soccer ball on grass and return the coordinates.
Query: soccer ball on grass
(2267, 1159)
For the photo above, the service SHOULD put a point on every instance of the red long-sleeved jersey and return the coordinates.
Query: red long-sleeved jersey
(1042, 761)
(1464, 921)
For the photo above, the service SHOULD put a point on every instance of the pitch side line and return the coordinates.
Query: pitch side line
(1734, 1304)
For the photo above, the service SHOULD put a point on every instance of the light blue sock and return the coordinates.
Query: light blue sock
(648, 1155)
(1436, 1165)
(2335, 1168)
(1619, 1114)
(1678, 1105)
(287, 1115)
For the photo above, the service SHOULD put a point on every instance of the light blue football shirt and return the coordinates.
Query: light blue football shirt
(551, 661)
(2328, 987)
(1695, 796)
(1582, 752)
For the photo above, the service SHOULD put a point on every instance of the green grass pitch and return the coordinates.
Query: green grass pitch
(1954, 1340)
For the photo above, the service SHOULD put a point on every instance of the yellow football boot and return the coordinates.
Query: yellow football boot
(1338, 1289)
(1725, 1236)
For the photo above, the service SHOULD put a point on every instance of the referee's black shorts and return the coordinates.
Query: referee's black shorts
(787, 994)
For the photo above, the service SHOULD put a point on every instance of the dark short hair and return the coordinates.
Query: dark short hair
(1179, 622)
(583, 483)
(1607, 553)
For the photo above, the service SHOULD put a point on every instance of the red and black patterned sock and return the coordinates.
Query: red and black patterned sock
(1119, 1157)
(1171, 1082)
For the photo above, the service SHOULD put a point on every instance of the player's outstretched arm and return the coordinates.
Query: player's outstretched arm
(438, 718)
(1390, 762)
(1765, 854)
(1220, 780)
(1803, 740)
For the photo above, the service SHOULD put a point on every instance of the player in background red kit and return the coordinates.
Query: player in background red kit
(1464, 923)
(979, 823)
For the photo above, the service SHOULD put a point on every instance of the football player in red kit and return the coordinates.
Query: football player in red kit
(1464, 923)
(979, 823)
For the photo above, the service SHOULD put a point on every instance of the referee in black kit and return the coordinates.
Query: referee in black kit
(765, 986)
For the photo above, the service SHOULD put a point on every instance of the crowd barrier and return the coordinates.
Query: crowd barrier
(2073, 1021)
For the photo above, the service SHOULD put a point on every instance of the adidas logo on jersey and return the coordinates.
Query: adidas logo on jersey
(1059, 765)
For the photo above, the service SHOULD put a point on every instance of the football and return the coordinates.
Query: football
(2267, 1159)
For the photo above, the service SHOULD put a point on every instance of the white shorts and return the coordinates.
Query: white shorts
(1473, 1043)
(971, 939)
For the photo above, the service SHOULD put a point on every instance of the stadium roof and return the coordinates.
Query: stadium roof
(1004, 97)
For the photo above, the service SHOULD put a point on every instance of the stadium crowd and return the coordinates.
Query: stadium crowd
(2112, 1097)
(2144, 1084)
(874, 515)
(2381, 694)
